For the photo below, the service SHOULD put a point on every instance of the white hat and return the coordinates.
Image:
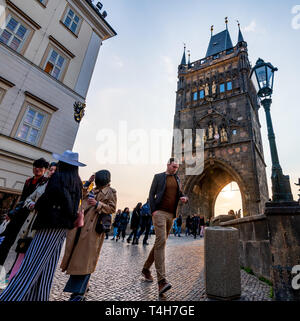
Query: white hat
(68, 157)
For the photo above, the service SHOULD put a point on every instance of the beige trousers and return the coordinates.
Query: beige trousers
(163, 222)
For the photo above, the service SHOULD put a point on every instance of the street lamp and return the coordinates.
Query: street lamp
(262, 76)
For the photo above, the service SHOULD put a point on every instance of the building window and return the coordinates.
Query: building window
(201, 93)
(195, 95)
(14, 34)
(216, 56)
(229, 85)
(72, 21)
(31, 126)
(222, 88)
(55, 64)
(234, 132)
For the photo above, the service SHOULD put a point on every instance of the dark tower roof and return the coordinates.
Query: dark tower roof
(219, 42)
(183, 60)
(240, 38)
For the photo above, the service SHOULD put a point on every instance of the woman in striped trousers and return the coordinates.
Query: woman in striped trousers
(56, 213)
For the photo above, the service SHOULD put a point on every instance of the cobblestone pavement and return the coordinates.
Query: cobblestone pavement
(118, 274)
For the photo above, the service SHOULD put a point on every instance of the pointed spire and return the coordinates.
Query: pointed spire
(226, 36)
(189, 58)
(240, 37)
(183, 60)
(212, 30)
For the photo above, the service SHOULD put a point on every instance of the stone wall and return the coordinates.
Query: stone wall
(254, 243)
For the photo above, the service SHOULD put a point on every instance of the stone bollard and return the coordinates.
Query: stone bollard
(222, 266)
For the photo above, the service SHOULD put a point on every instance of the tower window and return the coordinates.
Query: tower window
(216, 56)
(229, 85)
(222, 88)
(195, 95)
(234, 132)
(201, 94)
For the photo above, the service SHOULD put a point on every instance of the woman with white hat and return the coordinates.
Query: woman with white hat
(57, 211)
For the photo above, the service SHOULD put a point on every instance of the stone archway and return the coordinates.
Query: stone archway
(204, 189)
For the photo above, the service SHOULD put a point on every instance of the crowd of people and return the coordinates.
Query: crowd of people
(56, 207)
(140, 222)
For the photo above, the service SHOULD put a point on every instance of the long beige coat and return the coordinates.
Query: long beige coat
(82, 258)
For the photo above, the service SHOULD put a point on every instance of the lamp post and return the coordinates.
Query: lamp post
(262, 76)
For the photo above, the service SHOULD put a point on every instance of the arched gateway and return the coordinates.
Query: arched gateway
(216, 94)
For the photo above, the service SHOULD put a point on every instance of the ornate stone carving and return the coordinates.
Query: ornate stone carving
(224, 137)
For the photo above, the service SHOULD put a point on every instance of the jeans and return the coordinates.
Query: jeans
(115, 231)
(178, 230)
(163, 222)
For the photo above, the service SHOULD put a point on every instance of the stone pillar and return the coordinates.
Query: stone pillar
(222, 265)
(284, 229)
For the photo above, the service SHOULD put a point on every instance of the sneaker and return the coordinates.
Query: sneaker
(147, 275)
(163, 286)
(128, 240)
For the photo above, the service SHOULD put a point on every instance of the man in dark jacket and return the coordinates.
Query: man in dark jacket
(145, 222)
(134, 224)
(188, 225)
(18, 216)
(164, 196)
(179, 224)
(124, 219)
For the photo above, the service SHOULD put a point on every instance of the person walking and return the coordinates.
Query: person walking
(83, 244)
(198, 224)
(194, 225)
(188, 226)
(26, 234)
(207, 223)
(145, 222)
(134, 224)
(179, 224)
(124, 219)
(18, 216)
(202, 224)
(57, 211)
(175, 227)
(164, 195)
(116, 224)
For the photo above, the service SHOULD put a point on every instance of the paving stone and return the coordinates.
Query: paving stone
(118, 274)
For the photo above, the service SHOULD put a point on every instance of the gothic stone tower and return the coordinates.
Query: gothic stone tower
(217, 95)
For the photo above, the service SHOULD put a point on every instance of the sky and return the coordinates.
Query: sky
(133, 89)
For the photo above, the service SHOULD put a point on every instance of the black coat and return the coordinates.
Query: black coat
(179, 221)
(157, 191)
(116, 222)
(57, 207)
(135, 219)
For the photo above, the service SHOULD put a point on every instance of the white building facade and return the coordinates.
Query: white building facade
(48, 50)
